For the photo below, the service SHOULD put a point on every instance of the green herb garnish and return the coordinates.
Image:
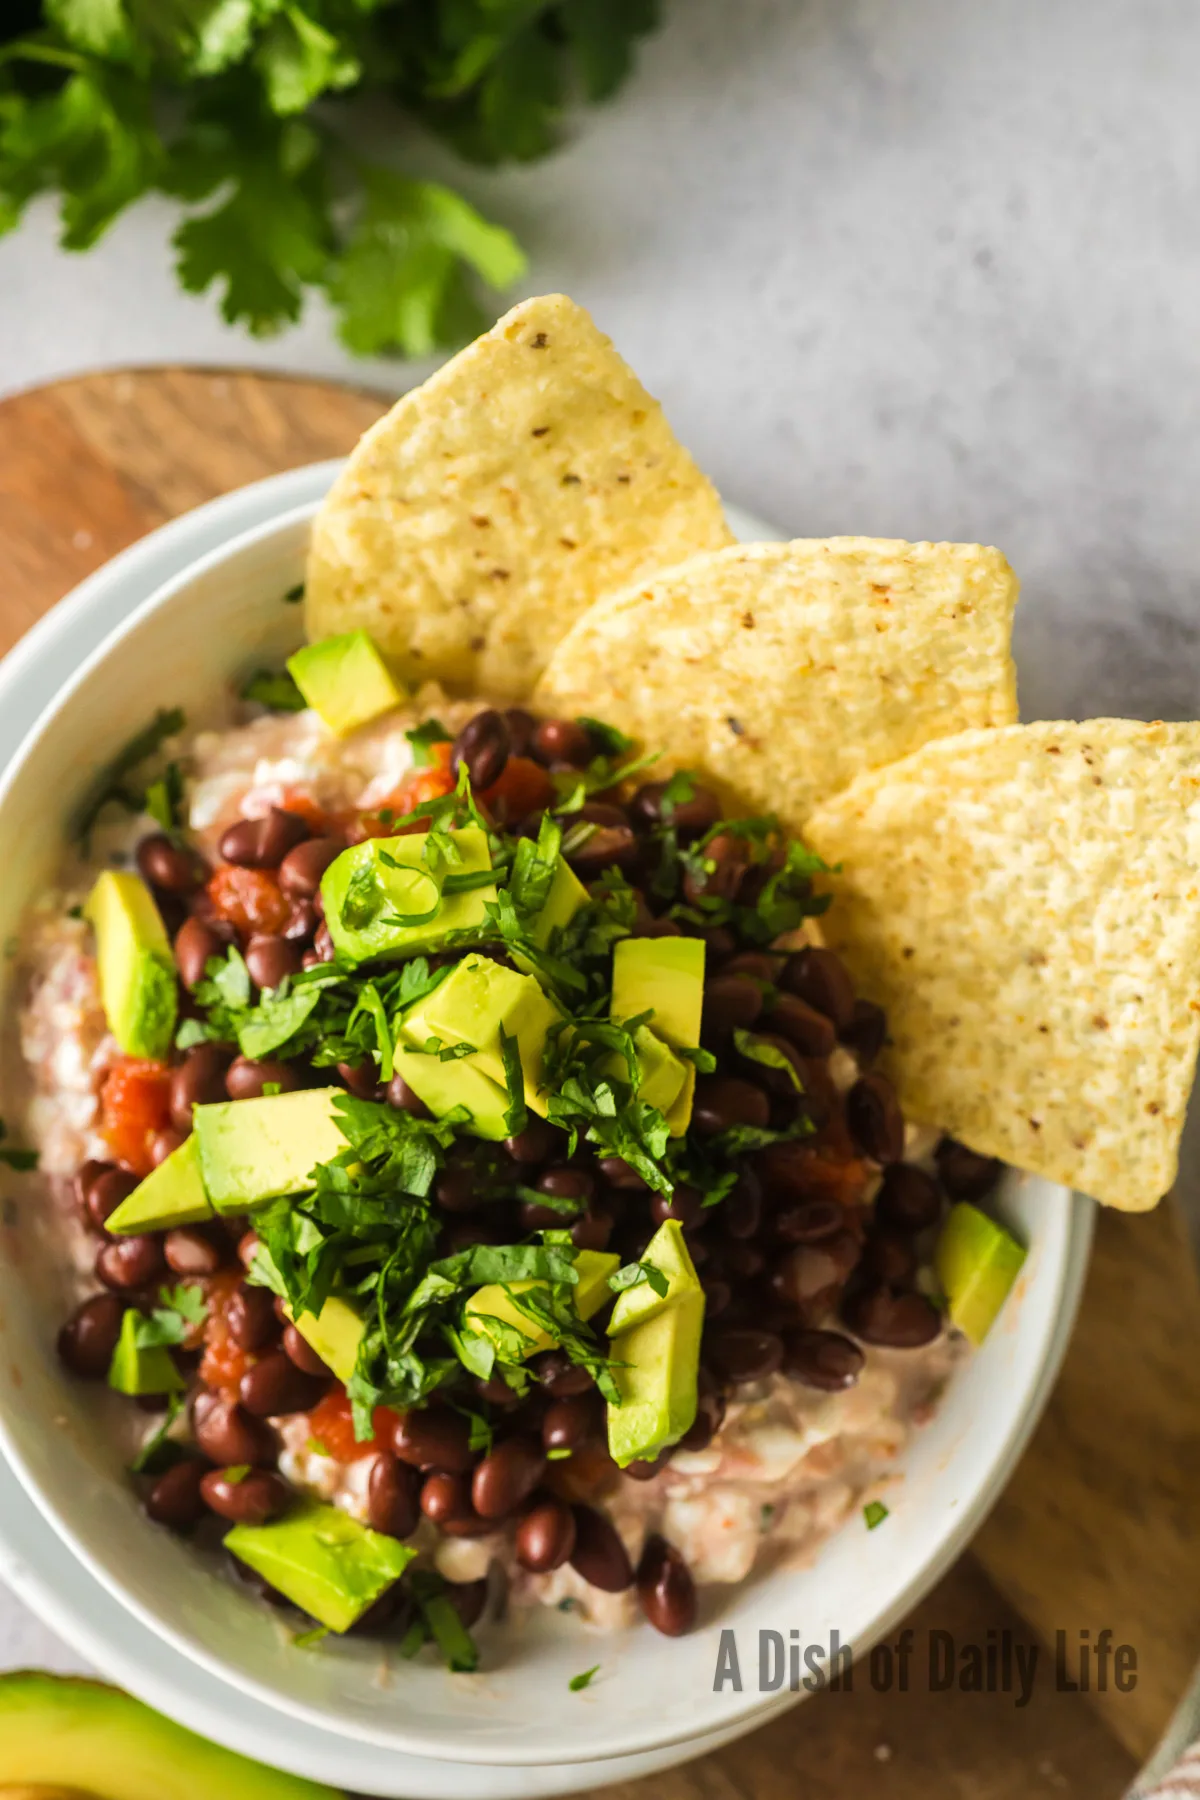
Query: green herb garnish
(275, 689)
(577, 1683)
(874, 1512)
(112, 786)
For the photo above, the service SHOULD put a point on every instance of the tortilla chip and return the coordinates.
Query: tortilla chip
(1026, 905)
(473, 524)
(782, 671)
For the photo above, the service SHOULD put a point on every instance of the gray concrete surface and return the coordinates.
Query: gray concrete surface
(924, 268)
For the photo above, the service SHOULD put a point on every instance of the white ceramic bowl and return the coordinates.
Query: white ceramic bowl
(218, 617)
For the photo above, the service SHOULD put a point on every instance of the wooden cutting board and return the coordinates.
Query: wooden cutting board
(1099, 1527)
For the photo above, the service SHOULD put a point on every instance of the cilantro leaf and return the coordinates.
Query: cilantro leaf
(516, 1116)
(164, 799)
(423, 738)
(577, 1683)
(442, 1623)
(183, 1309)
(160, 1451)
(112, 784)
(874, 1513)
(759, 1050)
(635, 1274)
(273, 688)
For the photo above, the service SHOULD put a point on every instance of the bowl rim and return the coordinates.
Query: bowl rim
(754, 1708)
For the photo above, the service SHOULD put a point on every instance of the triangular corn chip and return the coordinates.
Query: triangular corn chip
(782, 671)
(478, 519)
(1026, 905)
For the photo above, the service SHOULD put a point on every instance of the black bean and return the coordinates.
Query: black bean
(685, 1205)
(666, 1591)
(742, 1262)
(809, 1221)
(691, 818)
(175, 1499)
(607, 847)
(965, 1174)
(717, 1295)
(710, 1414)
(908, 1198)
(875, 1120)
(275, 1387)
(811, 1276)
(532, 1217)
(434, 1437)
(457, 1189)
(246, 1077)
(301, 870)
(574, 1421)
(104, 1192)
(619, 1174)
(298, 1350)
(198, 1081)
(393, 1496)
(719, 942)
(778, 1080)
(601, 812)
(745, 1354)
(639, 1470)
(536, 1144)
(889, 1257)
(361, 1078)
(819, 977)
(866, 1033)
(593, 1231)
(269, 957)
(165, 1143)
(483, 746)
(402, 1097)
(245, 1499)
(195, 943)
(250, 1317)
(169, 867)
(822, 1359)
(507, 1476)
(89, 1337)
(562, 740)
(558, 1375)
(521, 727)
(731, 1003)
(758, 965)
(228, 1435)
(545, 1537)
(190, 1250)
(323, 947)
(599, 1556)
(902, 1321)
(446, 1498)
(725, 861)
(263, 843)
(801, 1024)
(723, 1101)
(130, 1262)
(562, 1182)
(301, 925)
(258, 1584)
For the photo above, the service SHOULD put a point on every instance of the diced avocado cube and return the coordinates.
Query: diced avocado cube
(335, 1333)
(478, 1000)
(662, 1073)
(668, 1251)
(591, 1291)
(345, 680)
(142, 1370)
(679, 1113)
(172, 1194)
(135, 963)
(323, 1560)
(667, 975)
(361, 879)
(445, 1085)
(976, 1262)
(252, 1151)
(567, 894)
(655, 1367)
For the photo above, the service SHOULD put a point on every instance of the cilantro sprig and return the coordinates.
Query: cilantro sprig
(227, 109)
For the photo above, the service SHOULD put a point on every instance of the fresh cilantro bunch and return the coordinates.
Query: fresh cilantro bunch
(243, 111)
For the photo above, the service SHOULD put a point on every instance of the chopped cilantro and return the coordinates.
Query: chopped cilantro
(183, 1309)
(113, 783)
(423, 738)
(606, 738)
(164, 799)
(874, 1512)
(516, 1116)
(442, 1624)
(577, 1683)
(275, 689)
(767, 1055)
(635, 1274)
(160, 1452)
(305, 1640)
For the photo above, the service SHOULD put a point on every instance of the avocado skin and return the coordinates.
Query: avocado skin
(62, 1732)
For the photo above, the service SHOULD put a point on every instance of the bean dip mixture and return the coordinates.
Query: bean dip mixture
(807, 1207)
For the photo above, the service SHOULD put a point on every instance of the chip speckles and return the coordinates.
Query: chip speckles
(841, 654)
(536, 452)
(1048, 1011)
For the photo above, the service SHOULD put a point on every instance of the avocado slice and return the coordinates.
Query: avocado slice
(667, 975)
(135, 963)
(445, 1085)
(335, 1333)
(976, 1261)
(662, 1073)
(478, 1000)
(591, 1291)
(567, 894)
(172, 1194)
(668, 1251)
(323, 1560)
(345, 680)
(60, 1732)
(408, 890)
(252, 1151)
(655, 1367)
(138, 1370)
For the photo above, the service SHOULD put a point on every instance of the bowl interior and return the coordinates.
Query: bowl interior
(181, 648)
